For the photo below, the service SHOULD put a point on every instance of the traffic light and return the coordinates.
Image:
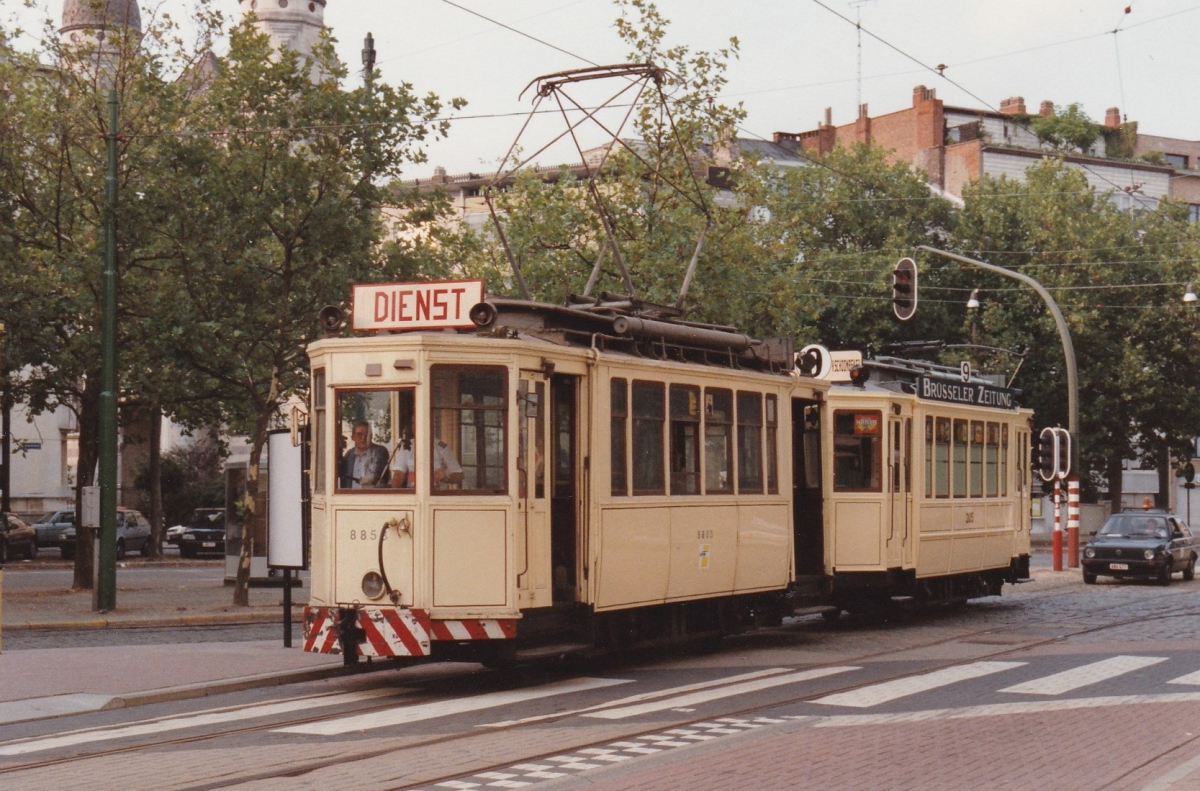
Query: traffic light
(904, 289)
(1046, 454)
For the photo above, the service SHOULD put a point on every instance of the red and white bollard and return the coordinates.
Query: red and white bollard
(1073, 521)
(1057, 546)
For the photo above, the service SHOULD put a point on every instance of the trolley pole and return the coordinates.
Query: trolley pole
(1057, 546)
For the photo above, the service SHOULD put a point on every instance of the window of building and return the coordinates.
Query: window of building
(375, 439)
(649, 416)
(318, 429)
(618, 420)
(1194, 212)
(685, 439)
(468, 416)
(857, 451)
(1177, 161)
(749, 443)
(718, 441)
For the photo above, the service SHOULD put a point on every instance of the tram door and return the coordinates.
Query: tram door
(564, 480)
(533, 564)
(900, 539)
(807, 507)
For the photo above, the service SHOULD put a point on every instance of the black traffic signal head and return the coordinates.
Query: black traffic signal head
(1046, 455)
(904, 289)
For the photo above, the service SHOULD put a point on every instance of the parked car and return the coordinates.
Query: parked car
(1148, 544)
(201, 518)
(204, 534)
(133, 532)
(17, 538)
(51, 531)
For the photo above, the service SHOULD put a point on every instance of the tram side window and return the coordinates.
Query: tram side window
(649, 415)
(991, 461)
(772, 445)
(619, 416)
(1004, 460)
(929, 456)
(976, 456)
(749, 443)
(857, 451)
(958, 455)
(468, 417)
(718, 445)
(375, 439)
(941, 458)
(318, 429)
(685, 439)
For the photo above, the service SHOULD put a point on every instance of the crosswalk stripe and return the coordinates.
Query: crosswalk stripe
(703, 696)
(199, 719)
(1190, 678)
(658, 693)
(427, 711)
(1094, 673)
(903, 687)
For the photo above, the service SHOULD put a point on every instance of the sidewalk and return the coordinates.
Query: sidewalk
(47, 682)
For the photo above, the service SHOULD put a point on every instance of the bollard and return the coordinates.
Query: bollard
(1073, 521)
(1057, 546)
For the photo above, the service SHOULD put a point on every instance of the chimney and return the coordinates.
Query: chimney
(862, 110)
(1047, 108)
(923, 94)
(1013, 105)
(828, 116)
(1112, 117)
(439, 175)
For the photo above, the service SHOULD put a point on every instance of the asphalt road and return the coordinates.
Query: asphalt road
(1056, 686)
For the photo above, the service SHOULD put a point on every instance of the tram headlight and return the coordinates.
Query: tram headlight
(1149, 554)
(372, 585)
(1089, 553)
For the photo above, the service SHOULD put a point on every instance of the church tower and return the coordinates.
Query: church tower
(94, 23)
(295, 24)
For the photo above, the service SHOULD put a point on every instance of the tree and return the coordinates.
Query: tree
(1067, 129)
(288, 171)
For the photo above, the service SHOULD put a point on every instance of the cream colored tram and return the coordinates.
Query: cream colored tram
(555, 478)
(929, 488)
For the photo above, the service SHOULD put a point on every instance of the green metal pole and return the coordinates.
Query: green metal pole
(106, 580)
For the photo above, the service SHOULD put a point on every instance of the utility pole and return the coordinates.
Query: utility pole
(106, 578)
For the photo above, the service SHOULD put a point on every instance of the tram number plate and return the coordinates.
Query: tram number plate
(1119, 566)
(208, 544)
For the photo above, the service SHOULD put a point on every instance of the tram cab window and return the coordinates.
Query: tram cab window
(772, 445)
(856, 448)
(991, 461)
(976, 457)
(618, 418)
(649, 415)
(685, 439)
(1004, 460)
(749, 443)
(318, 429)
(718, 441)
(375, 439)
(468, 424)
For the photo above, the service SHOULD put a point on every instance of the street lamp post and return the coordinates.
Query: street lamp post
(1064, 335)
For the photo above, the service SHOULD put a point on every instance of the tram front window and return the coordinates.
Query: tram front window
(468, 416)
(856, 447)
(375, 439)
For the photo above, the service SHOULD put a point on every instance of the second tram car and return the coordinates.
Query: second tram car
(605, 475)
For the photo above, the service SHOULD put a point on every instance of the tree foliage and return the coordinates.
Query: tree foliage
(1066, 129)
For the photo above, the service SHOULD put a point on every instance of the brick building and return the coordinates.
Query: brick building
(957, 145)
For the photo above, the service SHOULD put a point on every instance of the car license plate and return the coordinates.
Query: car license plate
(208, 544)
(1112, 566)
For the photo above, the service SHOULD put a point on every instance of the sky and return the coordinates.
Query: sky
(797, 57)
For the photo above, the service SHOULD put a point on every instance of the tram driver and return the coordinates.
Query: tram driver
(365, 464)
(404, 464)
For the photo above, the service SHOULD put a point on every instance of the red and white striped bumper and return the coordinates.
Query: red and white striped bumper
(390, 631)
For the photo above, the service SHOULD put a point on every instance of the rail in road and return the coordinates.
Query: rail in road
(507, 732)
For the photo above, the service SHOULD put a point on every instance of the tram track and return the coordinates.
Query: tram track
(1180, 607)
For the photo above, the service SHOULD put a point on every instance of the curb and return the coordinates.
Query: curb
(220, 619)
